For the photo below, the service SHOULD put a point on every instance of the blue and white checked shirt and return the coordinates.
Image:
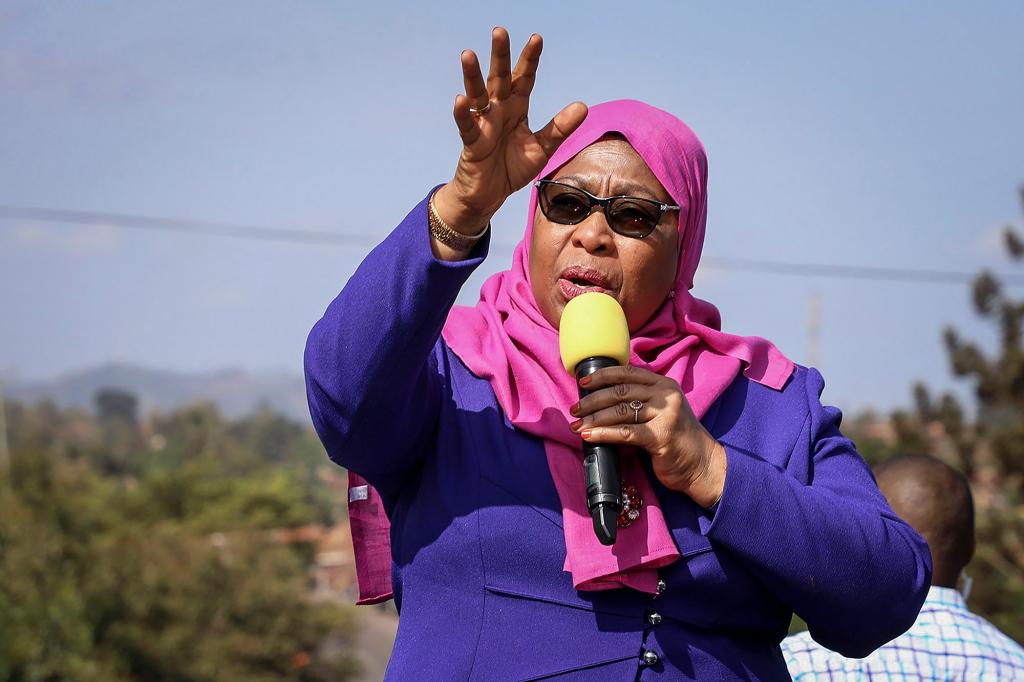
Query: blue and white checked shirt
(947, 642)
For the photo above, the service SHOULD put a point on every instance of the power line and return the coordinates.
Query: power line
(327, 237)
(197, 227)
(861, 272)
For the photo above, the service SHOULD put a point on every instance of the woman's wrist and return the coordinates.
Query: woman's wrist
(712, 485)
(456, 215)
(705, 487)
(442, 233)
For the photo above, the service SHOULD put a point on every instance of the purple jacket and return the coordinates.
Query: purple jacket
(477, 539)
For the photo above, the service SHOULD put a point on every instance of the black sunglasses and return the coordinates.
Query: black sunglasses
(629, 216)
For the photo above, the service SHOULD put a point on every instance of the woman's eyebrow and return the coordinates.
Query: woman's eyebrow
(624, 187)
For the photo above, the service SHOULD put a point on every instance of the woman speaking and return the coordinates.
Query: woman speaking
(744, 502)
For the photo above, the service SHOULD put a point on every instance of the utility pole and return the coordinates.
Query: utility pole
(814, 329)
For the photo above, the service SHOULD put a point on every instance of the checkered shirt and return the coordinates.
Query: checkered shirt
(947, 642)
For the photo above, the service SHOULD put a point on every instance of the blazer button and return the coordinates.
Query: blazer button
(650, 658)
(654, 618)
(662, 586)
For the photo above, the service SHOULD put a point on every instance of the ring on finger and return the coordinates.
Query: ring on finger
(636, 406)
(480, 111)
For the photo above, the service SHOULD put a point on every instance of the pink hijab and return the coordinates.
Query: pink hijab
(506, 340)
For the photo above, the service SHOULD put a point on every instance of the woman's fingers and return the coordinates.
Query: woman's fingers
(469, 131)
(640, 435)
(613, 389)
(499, 79)
(476, 90)
(560, 127)
(499, 152)
(611, 397)
(619, 413)
(525, 74)
(621, 374)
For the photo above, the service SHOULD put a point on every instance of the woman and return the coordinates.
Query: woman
(754, 505)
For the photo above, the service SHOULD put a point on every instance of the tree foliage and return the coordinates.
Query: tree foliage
(160, 563)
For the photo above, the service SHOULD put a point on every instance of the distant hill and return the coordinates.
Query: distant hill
(236, 392)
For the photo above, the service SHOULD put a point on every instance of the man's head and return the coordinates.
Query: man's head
(936, 500)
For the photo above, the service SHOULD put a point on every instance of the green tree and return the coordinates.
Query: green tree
(146, 571)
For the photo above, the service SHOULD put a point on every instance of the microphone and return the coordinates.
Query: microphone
(593, 334)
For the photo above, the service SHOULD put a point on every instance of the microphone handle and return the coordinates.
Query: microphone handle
(601, 469)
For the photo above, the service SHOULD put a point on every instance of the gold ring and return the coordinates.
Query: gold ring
(482, 110)
(636, 406)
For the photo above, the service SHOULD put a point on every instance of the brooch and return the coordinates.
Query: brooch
(632, 503)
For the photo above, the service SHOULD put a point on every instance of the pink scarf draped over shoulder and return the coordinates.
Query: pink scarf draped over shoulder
(505, 339)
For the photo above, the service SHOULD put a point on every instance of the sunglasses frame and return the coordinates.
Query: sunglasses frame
(604, 203)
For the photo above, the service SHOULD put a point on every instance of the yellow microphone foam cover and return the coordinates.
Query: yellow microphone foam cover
(593, 325)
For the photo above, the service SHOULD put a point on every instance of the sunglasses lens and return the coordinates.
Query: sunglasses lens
(563, 205)
(633, 218)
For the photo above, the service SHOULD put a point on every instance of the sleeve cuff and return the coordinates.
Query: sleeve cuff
(744, 482)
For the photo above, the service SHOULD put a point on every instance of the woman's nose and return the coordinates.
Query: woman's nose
(594, 235)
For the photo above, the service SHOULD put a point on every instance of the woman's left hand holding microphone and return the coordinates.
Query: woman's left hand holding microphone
(684, 456)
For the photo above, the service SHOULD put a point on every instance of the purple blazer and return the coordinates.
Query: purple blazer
(476, 524)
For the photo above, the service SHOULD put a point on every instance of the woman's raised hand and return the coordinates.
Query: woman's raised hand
(500, 153)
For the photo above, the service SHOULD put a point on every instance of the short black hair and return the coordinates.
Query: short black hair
(936, 500)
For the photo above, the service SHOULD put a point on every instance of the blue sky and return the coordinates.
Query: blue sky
(883, 134)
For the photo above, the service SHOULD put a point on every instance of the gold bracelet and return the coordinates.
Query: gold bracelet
(440, 230)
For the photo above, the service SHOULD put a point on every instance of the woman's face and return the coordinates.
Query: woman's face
(566, 260)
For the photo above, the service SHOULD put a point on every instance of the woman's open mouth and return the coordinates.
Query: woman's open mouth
(576, 280)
